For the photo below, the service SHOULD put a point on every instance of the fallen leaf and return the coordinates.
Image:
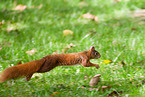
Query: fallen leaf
(115, 93)
(139, 13)
(40, 6)
(31, 52)
(67, 32)
(6, 44)
(94, 81)
(103, 88)
(83, 87)
(20, 7)
(6, 85)
(82, 4)
(133, 28)
(118, 0)
(114, 42)
(123, 64)
(32, 6)
(61, 86)
(10, 29)
(142, 62)
(90, 16)
(96, 19)
(0, 23)
(86, 77)
(107, 61)
(54, 93)
(90, 89)
(92, 32)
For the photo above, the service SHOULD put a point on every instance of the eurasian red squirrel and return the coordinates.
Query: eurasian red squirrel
(49, 62)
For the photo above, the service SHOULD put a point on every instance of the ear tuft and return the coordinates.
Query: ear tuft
(92, 48)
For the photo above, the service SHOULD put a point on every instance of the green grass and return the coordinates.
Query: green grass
(42, 29)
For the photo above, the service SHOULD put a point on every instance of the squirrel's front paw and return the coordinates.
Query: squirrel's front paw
(97, 66)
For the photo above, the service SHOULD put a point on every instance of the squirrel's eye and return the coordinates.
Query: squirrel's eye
(96, 53)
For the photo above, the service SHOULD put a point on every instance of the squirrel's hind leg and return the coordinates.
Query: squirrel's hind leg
(28, 77)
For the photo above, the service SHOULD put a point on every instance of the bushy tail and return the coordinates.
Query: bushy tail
(26, 69)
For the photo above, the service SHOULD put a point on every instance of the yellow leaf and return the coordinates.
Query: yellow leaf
(67, 32)
(107, 61)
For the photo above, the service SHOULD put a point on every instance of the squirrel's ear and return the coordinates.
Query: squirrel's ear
(92, 48)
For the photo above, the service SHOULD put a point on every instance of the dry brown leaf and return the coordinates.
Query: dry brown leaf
(118, 0)
(20, 7)
(90, 89)
(6, 44)
(40, 6)
(31, 52)
(92, 33)
(96, 19)
(133, 28)
(6, 85)
(86, 77)
(139, 13)
(32, 6)
(83, 87)
(114, 42)
(142, 62)
(94, 81)
(82, 4)
(103, 88)
(123, 64)
(10, 29)
(115, 93)
(90, 16)
(54, 93)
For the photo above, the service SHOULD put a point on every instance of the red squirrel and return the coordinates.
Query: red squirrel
(49, 62)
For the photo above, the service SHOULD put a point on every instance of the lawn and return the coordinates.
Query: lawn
(35, 29)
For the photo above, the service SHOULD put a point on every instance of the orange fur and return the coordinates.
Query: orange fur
(49, 62)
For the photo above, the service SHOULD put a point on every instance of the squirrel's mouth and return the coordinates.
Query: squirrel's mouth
(99, 56)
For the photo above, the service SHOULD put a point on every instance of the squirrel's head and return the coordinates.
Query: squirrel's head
(93, 53)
